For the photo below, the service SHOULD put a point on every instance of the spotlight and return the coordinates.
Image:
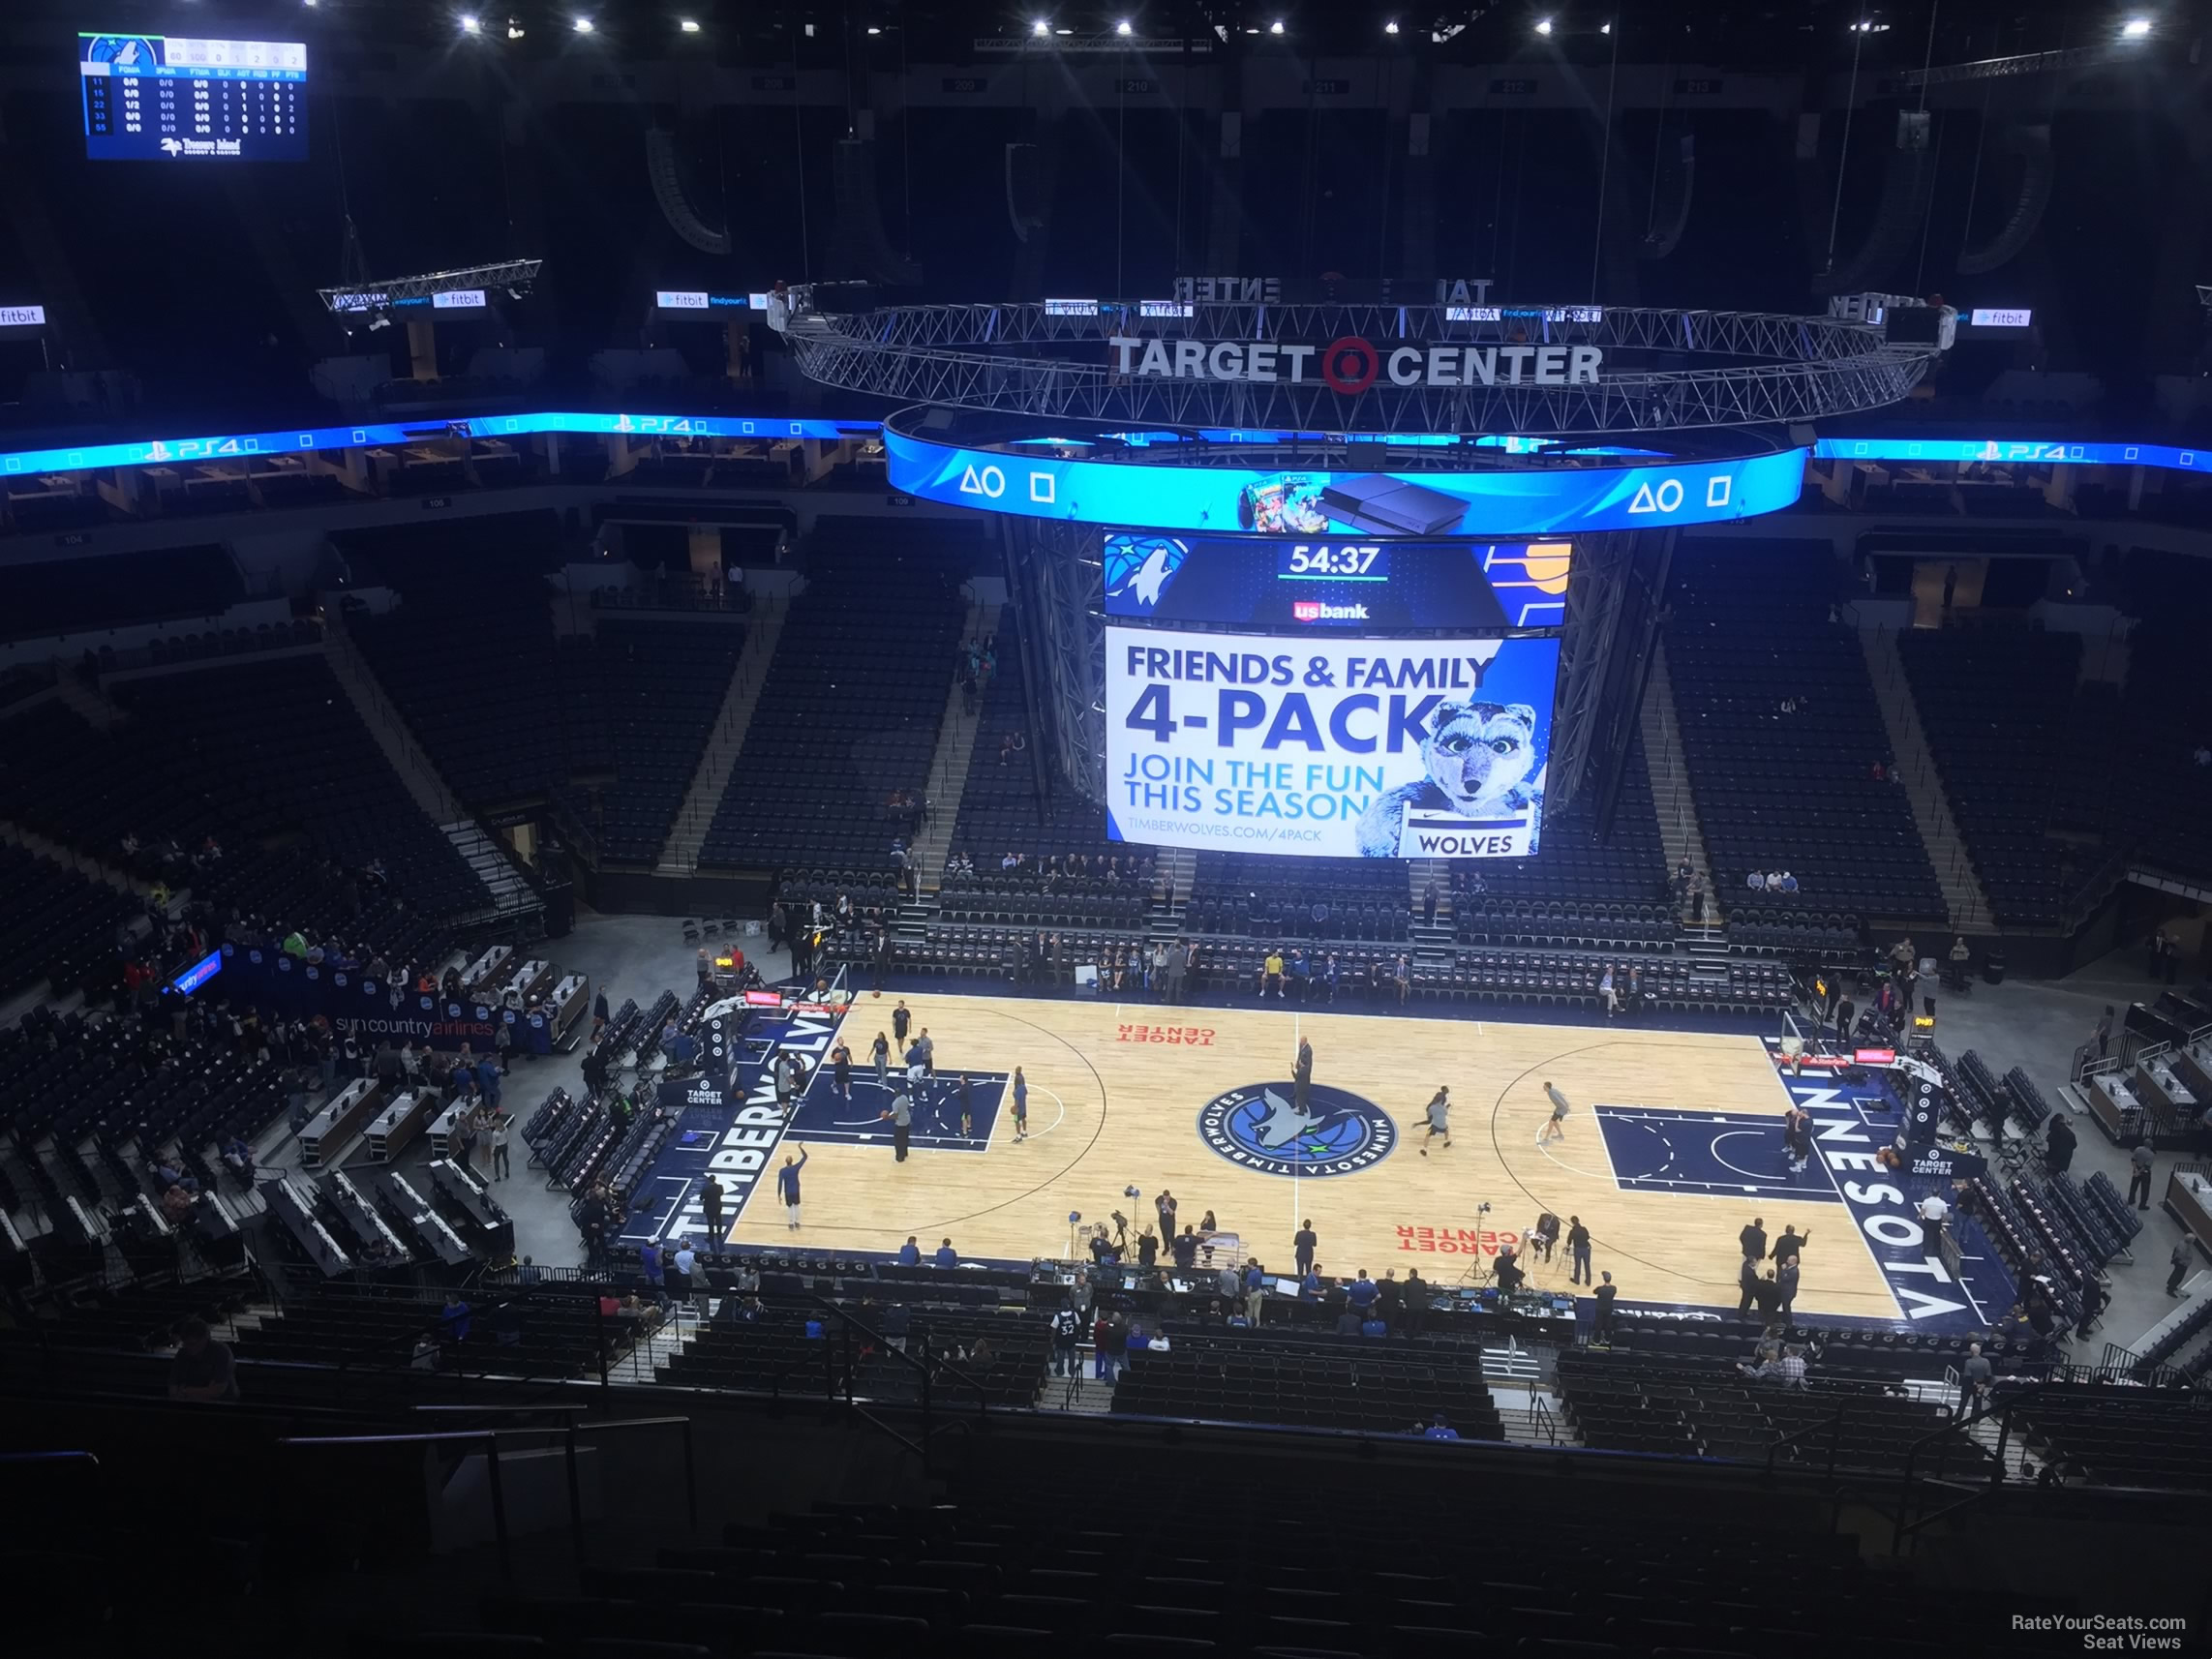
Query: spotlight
(873, 30)
(1041, 27)
(583, 25)
(2136, 28)
(1391, 27)
(469, 23)
(1123, 28)
(1605, 28)
(1276, 27)
(1543, 25)
(514, 30)
(689, 25)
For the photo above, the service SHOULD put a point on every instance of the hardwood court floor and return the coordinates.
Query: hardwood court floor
(1109, 1110)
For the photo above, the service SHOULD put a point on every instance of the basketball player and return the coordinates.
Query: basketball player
(1556, 1126)
(1439, 1120)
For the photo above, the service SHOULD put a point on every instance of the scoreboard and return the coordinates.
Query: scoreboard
(168, 97)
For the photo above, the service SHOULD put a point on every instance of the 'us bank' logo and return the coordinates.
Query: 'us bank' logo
(1261, 1128)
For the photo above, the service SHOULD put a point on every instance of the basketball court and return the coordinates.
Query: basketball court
(1672, 1143)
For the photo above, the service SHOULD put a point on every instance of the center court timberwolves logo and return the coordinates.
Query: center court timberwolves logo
(1258, 1127)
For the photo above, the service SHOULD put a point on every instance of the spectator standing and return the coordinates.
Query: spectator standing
(1578, 1251)
(1602, 1330)
(1976, 1372)
(2058, 1146)
(710, 1205)
(2102, 1035)
(1786, 1286)
(1065, 1326)
(2140, 1173)
(503, 1128)
(2184, 1256)
(1753, 1238)
(1790, 1245)
(1304, 1243)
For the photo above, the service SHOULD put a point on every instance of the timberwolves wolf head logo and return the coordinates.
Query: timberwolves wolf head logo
(1260, 1127)
(1140, 567)
(1478, 757)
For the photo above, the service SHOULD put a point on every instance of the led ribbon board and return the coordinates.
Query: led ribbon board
(1537, 501)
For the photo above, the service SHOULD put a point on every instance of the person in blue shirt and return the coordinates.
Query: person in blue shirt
(947, 1256)
(1255, 1289)
(1361, 1293)
(787, 1187)
(454, 1321)
(488, 1079)
(1310, 1286)
(648, 1259)
(910, 1253)
(1020, 1105)
(1440, 1429)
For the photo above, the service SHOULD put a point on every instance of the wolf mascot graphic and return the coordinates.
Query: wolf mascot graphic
(1477, 756)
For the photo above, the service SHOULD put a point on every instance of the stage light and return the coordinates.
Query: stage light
(2136, 28)
(469, 24)
(689, 25)
(1276, 27)
(1543, 25)
(1041, 27)
(582, 25)
(874, 31)
(515, 30)
(1123, 28)
(1605, 28)
(1391, 27)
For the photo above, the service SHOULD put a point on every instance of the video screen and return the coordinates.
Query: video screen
(1327, 746)
(154, 97)
(1336, 582)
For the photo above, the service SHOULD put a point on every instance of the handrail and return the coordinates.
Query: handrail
(884, 1344)
(490, 1438)
(2002, 1408)
(1834, 1427)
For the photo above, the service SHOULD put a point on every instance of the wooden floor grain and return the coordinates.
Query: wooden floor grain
(1110, 1109)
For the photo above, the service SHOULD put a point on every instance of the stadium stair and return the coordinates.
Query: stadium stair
(1432, 940)
(89, 704)
(505, 892)
(680, 857)
(1174, 869)
(1680, 833)
(957, 736)
(382, 718)
(510, 894)
(1962, 898)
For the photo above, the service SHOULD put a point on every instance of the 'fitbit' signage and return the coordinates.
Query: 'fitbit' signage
(1350, 365)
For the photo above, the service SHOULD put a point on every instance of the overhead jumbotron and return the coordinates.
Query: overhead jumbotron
(1368, 472)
